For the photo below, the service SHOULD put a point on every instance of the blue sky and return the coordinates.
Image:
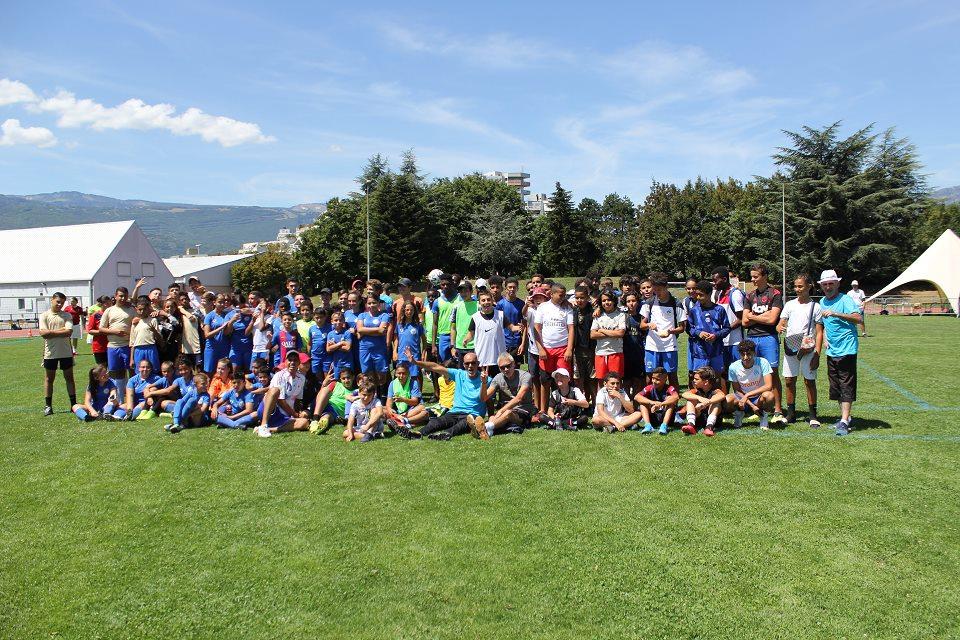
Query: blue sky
(235, 103)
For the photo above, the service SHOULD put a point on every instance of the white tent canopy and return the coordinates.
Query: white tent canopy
(938, 265)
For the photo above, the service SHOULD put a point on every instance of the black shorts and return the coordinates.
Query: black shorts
(524, 416)
(842, 373)
(533, 368)
(633, 366)
(583, 365)
(100, 358)
(58, 363)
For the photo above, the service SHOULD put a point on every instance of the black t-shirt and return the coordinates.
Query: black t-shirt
(761, 302)
(583, 345)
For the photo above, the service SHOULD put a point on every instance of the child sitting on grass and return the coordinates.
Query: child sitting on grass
(568, 406)
(237, 407)
(366, 416)
(751, 379)
(332, 405)
(705, 401)
(192, 410)
(658, 402)
(404, 401)
(99, 398)
(614, 411)
(136, 386)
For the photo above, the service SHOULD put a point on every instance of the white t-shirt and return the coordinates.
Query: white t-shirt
(798, 316)
(858, 296)
(751, 378)
(557, 323)
(665, 316)
(609, 322)
(291, 387)
(262, 338)
(613, 406)
(361, 412)
(531, 341)
(734, 303)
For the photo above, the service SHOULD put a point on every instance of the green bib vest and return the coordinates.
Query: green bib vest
(465, 311)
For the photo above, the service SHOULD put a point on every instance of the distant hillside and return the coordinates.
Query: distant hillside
(171, 227)
(947, 194)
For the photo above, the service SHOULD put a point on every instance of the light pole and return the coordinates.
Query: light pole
(783, 227)
(366, 186)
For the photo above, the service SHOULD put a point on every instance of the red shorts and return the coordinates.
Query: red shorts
(554, 360)
(603, 364)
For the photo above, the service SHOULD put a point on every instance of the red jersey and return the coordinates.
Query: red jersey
(99, 343)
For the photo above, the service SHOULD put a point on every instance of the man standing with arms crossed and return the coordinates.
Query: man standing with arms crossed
(841, 315)
(56, 327)
(761, 314)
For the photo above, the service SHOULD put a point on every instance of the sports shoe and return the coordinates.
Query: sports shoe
(709, 432)
(109, 417)
(314, 426)
(679, 418)
(842, 428)
(663, 430)
(514, 429)
(814, 423)
(172, 428)
(689, 429)
(367, 437)
(440, 435)
(147, 415)
(609, 428)
(751, 417)
(791, 416)
(778, 419)
(407, 433)
(737, 419)
(263, 432)
(647, 429)
(478, 428)
(48, 411)
(165, 414)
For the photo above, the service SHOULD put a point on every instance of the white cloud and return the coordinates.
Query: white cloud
(134, 114)
(660, 64)
(14, 91)
(11, 133)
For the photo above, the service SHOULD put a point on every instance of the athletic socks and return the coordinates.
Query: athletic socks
(813, 411)
(489, 427)
(82, 414)
(711, 420)
(48, 401)
(73, 400)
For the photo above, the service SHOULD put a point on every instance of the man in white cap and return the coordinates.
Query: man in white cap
(841, 315)
(859, 296)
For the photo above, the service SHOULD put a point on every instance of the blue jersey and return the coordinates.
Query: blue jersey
(215, 320)
(409, 335)
(512, 311)
(713, 320)
(240, 341)
(318, 347)
(466, 395)
(100, 395)
(237, 401)
(139, 384)
(340, 359)
(184, 386)
(375, 343)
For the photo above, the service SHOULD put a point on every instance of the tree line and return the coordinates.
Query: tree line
(858, 204)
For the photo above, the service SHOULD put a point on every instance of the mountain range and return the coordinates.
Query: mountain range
(948, 194)
(171, 227)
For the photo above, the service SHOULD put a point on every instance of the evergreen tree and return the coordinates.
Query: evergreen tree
(377, 167)
(398, 228)
(497, 241)
(565, 237)
(333, 251)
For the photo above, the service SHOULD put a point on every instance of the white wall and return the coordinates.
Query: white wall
(135, 249)
(36, 296)
(213, 279)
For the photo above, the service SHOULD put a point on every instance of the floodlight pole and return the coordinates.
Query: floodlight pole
(366, 186)
(783, 226)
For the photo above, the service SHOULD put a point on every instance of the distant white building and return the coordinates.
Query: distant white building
(538, 204)
(287, 240)
(516, 179)
(82, 260)
(213, 271)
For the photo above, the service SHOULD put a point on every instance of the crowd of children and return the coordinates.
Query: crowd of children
(602, 354)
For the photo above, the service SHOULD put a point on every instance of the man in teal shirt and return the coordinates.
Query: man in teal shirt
(841, 315)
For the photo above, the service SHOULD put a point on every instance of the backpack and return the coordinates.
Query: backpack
(672, 302)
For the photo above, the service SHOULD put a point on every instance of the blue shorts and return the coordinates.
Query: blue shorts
(731, 353)
(443, 347)
(413, 368)
(715, 363)
(259, 354)
(118, 358)
(319, 367)
(150, 354)
(277, 419)
(374, 361)
(690, 365)
(211, 355)
(665, 359)
(768, 347)
(241, 358)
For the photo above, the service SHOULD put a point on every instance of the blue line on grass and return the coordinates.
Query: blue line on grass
(920, 402)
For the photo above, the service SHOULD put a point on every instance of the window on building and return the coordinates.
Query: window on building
(146, 269)
(21, 304)
(123, 269)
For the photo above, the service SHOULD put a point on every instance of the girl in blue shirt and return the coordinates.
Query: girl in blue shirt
(135, 401)
(236, 408)
(376, 332)
(217, 326)
(410, 333)
(100, 397)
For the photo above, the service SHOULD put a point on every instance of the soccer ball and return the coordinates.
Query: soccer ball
(434, 277)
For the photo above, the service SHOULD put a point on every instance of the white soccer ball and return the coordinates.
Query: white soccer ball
(434, 277)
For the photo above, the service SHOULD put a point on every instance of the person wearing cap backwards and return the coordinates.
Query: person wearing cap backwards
(403, 288)
(841, 315)
(460, 317)
(442, 310)
(278, 411)
(859, 296)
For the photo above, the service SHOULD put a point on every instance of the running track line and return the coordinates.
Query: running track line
(920, 402)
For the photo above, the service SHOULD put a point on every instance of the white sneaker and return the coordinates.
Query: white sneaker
(263, 432)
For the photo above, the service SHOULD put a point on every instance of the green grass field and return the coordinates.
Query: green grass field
(123, 531)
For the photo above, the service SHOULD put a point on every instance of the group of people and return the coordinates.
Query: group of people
(604, 355)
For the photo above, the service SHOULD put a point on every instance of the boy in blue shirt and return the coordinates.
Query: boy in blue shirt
(339, 344)
(192, 409)
(841, 315)
(708, 327)
(319, 357)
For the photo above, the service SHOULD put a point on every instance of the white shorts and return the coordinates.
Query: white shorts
(76, 332)
(793, 366)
